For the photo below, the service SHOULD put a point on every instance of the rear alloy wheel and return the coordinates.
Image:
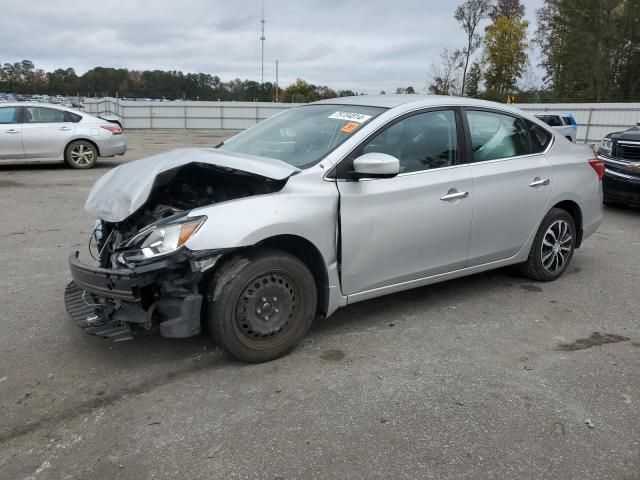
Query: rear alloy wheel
(81, 154)
(261, 305)
(552, 247)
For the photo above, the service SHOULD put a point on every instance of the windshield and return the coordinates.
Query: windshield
(302, 136)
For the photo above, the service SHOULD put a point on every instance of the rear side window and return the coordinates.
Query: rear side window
(8, 115)
(567, 120)
(496, 135)
(540, 138)
(43, 115)
(72, 117)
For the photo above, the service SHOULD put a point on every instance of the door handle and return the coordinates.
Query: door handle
(537, 182)
(12, 131)
(65, 129)
(454, 195)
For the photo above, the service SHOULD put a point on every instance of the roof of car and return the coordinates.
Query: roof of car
(34, 104)
(562, 114)
(391, 101)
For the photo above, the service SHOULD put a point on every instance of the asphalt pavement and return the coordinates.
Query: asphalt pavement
(491, 376)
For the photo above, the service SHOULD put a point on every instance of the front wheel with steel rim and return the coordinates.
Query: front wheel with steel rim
(260, 305)
(81, 154)
(552, 247)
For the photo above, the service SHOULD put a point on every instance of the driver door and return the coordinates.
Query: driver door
(417, 224)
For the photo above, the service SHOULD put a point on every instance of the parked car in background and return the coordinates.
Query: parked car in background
(620, 152)
(36, 132)
(324, 205)
(563, 123)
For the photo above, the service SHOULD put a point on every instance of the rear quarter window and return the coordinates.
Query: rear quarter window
(540, 138)
(72, 117)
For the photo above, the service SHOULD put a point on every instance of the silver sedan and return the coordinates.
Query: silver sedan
(325, 205)
(36, 132)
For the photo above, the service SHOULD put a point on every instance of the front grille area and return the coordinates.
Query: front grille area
(627, 151)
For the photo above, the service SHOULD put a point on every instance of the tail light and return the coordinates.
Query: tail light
(598, 165)
(113, 128)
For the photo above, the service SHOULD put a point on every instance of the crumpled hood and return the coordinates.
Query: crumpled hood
(124, 189)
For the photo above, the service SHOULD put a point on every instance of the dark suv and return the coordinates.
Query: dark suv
(621, 154)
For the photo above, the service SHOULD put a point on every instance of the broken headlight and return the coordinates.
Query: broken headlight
(160, 239)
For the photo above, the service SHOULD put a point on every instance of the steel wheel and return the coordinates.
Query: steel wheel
(81, 154)
(556, 246)
(264, 308)
(260, 304)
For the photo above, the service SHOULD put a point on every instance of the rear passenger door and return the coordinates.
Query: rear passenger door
(512, 182)
(45, 132)
(10, 134)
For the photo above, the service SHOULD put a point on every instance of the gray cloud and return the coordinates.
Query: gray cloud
(365, 46)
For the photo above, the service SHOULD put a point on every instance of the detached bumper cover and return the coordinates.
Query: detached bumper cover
(122, 284)
(113, 303)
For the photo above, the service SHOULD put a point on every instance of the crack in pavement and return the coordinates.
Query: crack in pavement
(107, 400)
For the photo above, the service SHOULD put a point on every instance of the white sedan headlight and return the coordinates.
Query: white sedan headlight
(160, 240)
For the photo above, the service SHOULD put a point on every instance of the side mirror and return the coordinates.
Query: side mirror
(375, 165)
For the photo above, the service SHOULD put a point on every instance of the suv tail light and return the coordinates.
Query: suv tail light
(113, 128)
(598, 166)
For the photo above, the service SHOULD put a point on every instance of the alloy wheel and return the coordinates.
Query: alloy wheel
(557, 245)
(82, 155)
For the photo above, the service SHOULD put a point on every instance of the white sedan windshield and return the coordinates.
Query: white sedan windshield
(302, 136)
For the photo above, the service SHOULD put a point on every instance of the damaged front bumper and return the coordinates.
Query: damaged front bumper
(160, 296)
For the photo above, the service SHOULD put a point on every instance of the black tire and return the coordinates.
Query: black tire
(81, 154)
(537, 266)
(261, 304)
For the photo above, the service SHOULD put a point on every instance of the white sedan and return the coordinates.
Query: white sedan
(36, 132)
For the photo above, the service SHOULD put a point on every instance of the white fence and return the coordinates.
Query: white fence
(184, 114)
(594, 120)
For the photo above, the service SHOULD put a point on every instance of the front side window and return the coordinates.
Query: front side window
(302, 136)
(421, 142)
(495, 135)
(8, 115)
(43, 115)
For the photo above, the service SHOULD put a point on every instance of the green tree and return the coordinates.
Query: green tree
(591, 48)
(474, 77)
(470, 14)
(505, 56)
(299, 92)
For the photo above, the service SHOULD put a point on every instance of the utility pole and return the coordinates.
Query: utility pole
(276, 80)
(262, 39)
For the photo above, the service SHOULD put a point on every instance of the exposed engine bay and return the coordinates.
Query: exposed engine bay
(144, 280)
(174, 193)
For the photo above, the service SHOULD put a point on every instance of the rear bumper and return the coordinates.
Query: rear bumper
(161, 296)
(620, 187)
(114, 145)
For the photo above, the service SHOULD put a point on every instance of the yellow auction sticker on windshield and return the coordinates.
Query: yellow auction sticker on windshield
(350, 116)
(350, 127)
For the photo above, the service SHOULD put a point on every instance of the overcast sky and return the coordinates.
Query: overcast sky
(362, 45)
